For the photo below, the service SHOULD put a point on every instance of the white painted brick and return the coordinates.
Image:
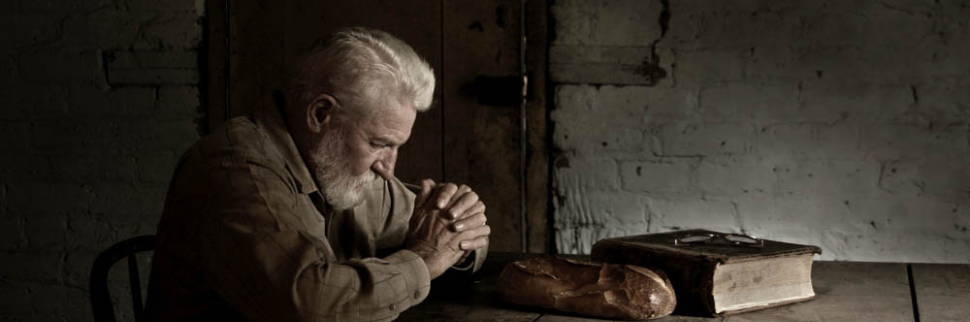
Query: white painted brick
(695, 139)
(171, 31)
(152, 59)
(13, 137)
(170, 135)
(16, 305)
(829, 178)
(706, 26)
(599, 64)
(580, 239)
(30, 101)
(591, 173)
(150, 5)
(44, 265)
(649, 104)
(44, 232)
(824, 101)
(105, 28)
(776, 63)
(11, 233)
(944, 101)
(895, 140)
(30, 29)
(623, 105)
(612, 22)
(57, 6)
(589, 126)
(759, 213)
(707, 67)
(178, 102)
(591, 104)
(61, 66)
(676, 214)
(813, 141)
(938, 176)
(736, 176)
(668, 175)
(57, 298)
(744, 102)
(8, 73)
(592, 208)
(157, 168)
(129, 101)
(153, 77)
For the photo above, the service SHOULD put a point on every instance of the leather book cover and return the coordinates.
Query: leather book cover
(690, 257)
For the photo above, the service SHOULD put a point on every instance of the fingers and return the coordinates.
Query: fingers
(426, 186)
(473, 244)
(463, 202)
(445, 192)
(463, 189)
(468, 222)
(468, 237)
(478, 207)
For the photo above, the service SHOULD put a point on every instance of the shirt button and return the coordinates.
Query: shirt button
(417, 294)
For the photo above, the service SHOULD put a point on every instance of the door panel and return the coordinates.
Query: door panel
(482, 38)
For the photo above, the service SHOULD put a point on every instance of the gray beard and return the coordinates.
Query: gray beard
(341, 189)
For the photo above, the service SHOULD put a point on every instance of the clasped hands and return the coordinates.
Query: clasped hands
(448, 223)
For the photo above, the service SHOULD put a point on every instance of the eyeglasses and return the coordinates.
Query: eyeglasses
(719, 239)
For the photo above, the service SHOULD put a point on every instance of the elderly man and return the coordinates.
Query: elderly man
(294, 213)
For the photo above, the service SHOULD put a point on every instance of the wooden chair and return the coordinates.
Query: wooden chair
(100, 297)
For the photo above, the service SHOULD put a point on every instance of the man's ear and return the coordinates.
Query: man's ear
(319, 113)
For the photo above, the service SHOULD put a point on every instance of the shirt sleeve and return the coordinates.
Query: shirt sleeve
(259, 256)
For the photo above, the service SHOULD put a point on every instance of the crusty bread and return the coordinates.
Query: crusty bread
(601, 290)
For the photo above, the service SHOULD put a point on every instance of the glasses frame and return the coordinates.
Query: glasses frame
(721, 239)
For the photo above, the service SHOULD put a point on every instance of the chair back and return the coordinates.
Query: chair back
(100, 297)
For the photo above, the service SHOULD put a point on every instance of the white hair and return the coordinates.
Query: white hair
(357, 64)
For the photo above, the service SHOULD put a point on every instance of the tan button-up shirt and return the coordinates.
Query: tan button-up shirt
(246, 235)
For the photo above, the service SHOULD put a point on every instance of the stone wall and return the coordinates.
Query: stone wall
(98, 100)
(844, 124)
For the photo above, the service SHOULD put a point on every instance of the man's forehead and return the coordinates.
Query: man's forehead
(391, 123)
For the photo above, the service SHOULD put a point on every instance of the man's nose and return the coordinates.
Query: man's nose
(388, 161)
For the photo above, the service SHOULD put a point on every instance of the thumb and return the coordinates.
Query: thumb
(424, 194)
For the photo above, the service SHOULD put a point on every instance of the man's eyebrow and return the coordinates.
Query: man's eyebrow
(387, 139)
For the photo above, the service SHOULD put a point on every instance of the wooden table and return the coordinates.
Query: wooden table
(845, 291)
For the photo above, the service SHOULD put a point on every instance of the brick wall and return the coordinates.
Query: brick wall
(844, 124)
(98, 100)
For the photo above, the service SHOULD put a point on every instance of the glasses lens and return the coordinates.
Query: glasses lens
(741, 239)
(692, 239)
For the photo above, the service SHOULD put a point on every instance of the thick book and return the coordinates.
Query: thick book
(717, 273)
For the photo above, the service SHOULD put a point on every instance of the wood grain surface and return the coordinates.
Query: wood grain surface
(942, 291)
(845, 291)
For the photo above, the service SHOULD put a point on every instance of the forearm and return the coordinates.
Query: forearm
(282, 276)
(366, 289)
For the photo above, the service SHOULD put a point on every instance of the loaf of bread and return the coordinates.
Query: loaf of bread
(600, 290)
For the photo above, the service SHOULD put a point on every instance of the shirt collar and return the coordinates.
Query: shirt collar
(271, 119)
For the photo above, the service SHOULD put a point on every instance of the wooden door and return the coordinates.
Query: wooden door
(499, 150)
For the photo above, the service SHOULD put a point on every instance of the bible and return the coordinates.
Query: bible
(716, 273)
